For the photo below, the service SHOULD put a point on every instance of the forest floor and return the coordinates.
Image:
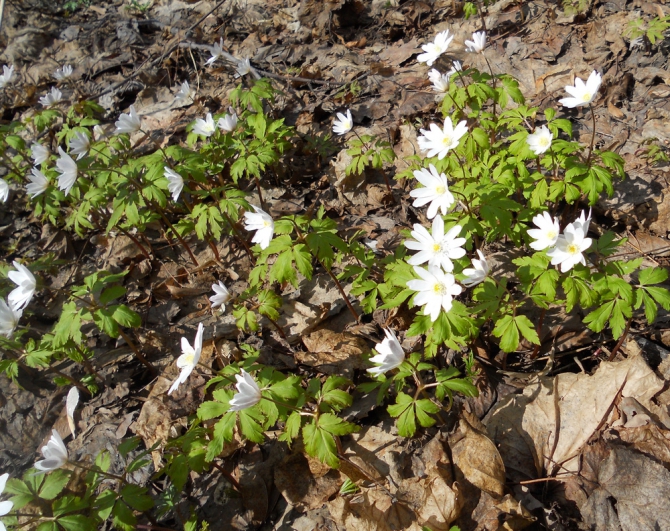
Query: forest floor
(326, 57)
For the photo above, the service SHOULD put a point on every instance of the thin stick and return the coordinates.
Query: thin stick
(139, 355)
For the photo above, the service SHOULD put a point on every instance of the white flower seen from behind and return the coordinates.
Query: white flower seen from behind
(440, 82)
(80, 144)
(63, 73)
(55, 454)
(433, 50)
(436, 290)
(390, 354)
(438, 142)
(243, 67)
(582, 93)
(175, 182)
(343, 124)
(248, 393)
(478, 272)
(205, 127)
(51, 98)
(70, 407)
(38, 153)
(189, 358)
(7, 75)
(26, 285)
(37, 183)
(438, 248)
(68, 171)
(128, 123)
(227, 123)
(5, 506)
(477, 44)
(546, 233)
(4, 191)
(217, 50)
(540, 140)
(9, 319)
(221, 296)
(184, 93)
(435, 191)
(263, 224)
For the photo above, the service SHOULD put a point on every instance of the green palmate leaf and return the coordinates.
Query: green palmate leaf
(653, 275)
(660, 295)
(508, 329)
(597, 319)
(250, 424)
(288, 388)
(407, 411)
(76, 522)
(268, 304)
(319, 437)
(282, 270)
(211, 409)
(123, 517)
(54, 484)
(137, 497)
(578, 291)
(292, 427)
(223, 432)
(303, 260)
(125, 316)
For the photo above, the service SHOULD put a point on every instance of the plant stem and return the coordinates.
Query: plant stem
(593, 135)
(136, 242)
(260, 194)
(621, 340)
(97, 471)
(177, 235)
(139, 355)
(539, 329)
(233, 226)
(228, 476)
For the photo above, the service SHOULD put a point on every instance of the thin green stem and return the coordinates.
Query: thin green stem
(593, 136)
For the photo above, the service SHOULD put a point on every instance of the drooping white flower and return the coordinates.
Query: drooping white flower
(9, 319)
(217, 50)
(440, 81)
(547, 231)
(128, 123)
(228, 123)
(263, 224)
(38, 153)
(4, 191)
(455, 67)
(243, 67)
(7, 75)
(436, 290)
(52, 97)
(390, 354)
(5, 506)
(20, 296)
(189, 358)
(248, 392)
(175, 182)
(478, 273)
(440, 141)
(55, 454)
(63, 73)
(37, 184)
(205, 127)
(80, 144)
(184, 92)
(582, 93)
(343, 124)
(569, 247)
(435, 191)
(434, 49)
(540, 140)
(70, 407)
(438, 248)
(221, 296)
(477, 44)
(68, 171)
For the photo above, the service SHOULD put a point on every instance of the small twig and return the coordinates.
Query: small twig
(228, 476)
(139, 355)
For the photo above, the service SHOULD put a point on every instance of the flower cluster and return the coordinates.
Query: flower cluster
(564, 249)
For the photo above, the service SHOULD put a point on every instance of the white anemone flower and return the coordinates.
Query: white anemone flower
(433, 50)
(438, 248)
(70, 407)
(478, 272)
(4, 191)
(221, 296)
(38, 153)
(228, 123)
(68, 171)
(547, 231)
(128, 123)
(477, 44)
(583, 221)
(540, 140)
(390, 354)
(175, 182)
(184, 93)
(343, 124)
(582, 93)
(262, 223)
(438, 142)
(37, 184)
(435, 191)
(189, 358)
(440, 82)
(9, 319)
(80, 144)
(51, 98)
(217, 50)
(569, 248)
(436, 290)
(5, 506)
(248, 392)
(205, 127)
(20, 296)
(243, 67)
(7, 75)
(455, 67)
(55, 454)
(63, 73)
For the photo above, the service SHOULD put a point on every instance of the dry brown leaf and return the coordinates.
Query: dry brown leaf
(333, 353)
(300, 486)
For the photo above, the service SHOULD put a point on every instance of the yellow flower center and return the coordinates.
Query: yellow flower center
(266, 223)
(552, 234)
(446, 140)
(586, 96)
(544, 141)
(187, 359)
(437, 247)
(440, 189)
(439, 288)
(573, 249)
